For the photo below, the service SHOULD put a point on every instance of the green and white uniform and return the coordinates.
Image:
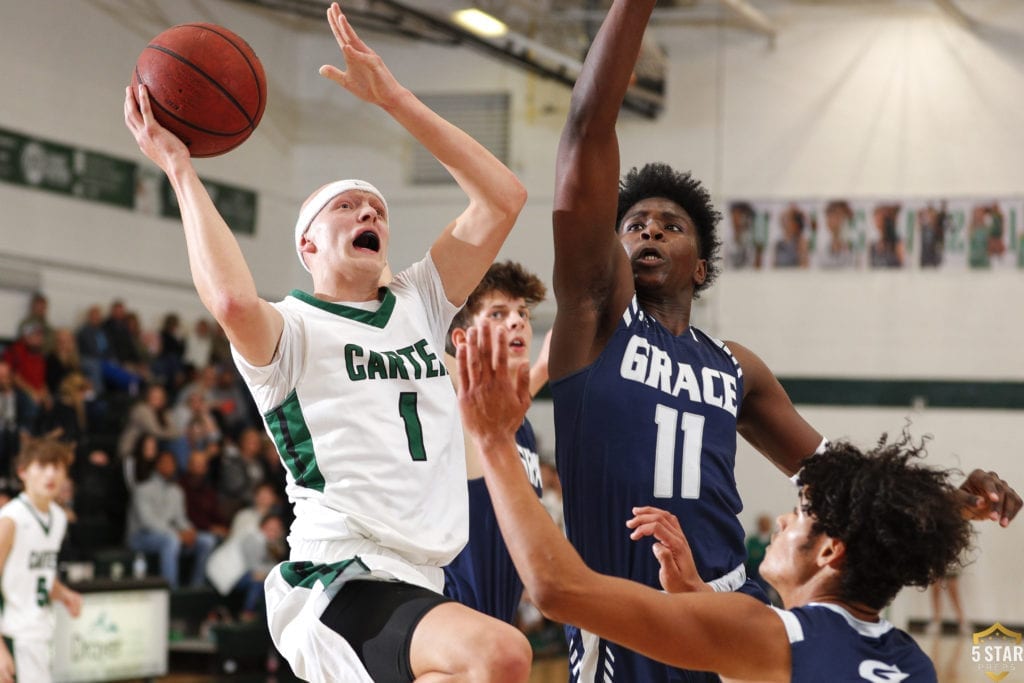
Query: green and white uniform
(27, 580)
(366, 421)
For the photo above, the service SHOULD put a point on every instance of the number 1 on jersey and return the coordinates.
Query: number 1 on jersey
(413, 426)
(692, 427)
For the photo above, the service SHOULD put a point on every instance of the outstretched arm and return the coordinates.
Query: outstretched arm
(593, 281)
(219, 270)
(729, 633)
(468, 245)
(768, 419)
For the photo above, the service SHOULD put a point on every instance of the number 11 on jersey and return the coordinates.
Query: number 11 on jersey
(692, 428)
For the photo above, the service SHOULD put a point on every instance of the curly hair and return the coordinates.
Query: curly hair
(507, 277)
(660, 180)
(900, 522)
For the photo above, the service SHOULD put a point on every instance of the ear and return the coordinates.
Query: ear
(831, 553)
(458, 336)
(700, 273)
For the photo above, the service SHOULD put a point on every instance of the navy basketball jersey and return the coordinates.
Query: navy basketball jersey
(830, 644)
(482, 576)
(651, 422)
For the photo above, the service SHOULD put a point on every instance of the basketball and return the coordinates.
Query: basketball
(206, 86)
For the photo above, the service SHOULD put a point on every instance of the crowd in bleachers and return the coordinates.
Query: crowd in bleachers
(170, 455)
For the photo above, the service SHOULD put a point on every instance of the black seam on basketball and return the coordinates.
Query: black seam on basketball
(193, 126)
(244, 56)
(238, 105)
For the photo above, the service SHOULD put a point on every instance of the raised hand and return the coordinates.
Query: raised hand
(492, 400)
(366, 76)
(678, 573)
(159, 144)
(985, 496)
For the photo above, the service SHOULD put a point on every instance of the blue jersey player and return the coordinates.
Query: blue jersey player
(865, 525)
(482, 575)
(647, 407)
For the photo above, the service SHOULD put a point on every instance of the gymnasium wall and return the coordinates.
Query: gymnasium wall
(861, 100)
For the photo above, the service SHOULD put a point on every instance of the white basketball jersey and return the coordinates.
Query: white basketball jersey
(30, 569)
(366, 421)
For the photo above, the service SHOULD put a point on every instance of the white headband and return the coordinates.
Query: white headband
(319, 200)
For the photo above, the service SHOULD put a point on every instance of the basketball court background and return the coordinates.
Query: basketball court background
(893, 99)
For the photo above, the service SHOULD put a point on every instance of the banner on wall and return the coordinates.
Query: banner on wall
(92, 176)
(832, 234)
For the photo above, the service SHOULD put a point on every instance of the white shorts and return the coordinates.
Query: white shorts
(33, 660)
(315, 652)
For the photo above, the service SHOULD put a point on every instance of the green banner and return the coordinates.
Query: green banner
(235, 204)
(54, 167)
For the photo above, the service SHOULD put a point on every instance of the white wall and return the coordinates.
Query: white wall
(857, 99)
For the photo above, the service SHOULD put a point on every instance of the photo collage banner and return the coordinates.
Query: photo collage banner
(830, 234)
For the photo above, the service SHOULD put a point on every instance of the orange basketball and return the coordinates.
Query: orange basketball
(206, 86)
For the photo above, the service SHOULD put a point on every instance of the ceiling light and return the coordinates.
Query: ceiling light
(480, 23)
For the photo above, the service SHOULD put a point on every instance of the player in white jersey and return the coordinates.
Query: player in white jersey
(32, 528)
(353, 390)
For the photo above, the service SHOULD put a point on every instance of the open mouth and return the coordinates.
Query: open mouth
(517, 344)
(367, 240)
(648, 256)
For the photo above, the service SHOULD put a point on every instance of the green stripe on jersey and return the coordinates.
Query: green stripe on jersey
(305, 574)
(294, 443)
(378, 318)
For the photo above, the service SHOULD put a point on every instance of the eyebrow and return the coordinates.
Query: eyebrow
(663, 214)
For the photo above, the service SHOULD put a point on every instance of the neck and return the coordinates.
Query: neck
(39, 501)
(674, 315)
(360, 285)
(807, 594)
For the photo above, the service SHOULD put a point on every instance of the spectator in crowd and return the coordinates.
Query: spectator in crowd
(37, 311)
(62, 358)
(66, 418)
(169, 364)
(158, 524)
(140, 463)
(230, 401)
(28, 365)
(16, 416)
(201, 501)
(115, 325)
(143, 344)
(261, 550)
(97, 356)
(196, 422)
(227, 563)
(203, 380)
(150, 415)
(241, 470)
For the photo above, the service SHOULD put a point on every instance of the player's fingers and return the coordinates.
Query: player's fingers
(333, 73)
(130, 110)
(351, 37)
(462, 368)
(500, 340)
(1011, 508)
(335, 19)
(472, 357)
(145, 108)
(523, 384)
